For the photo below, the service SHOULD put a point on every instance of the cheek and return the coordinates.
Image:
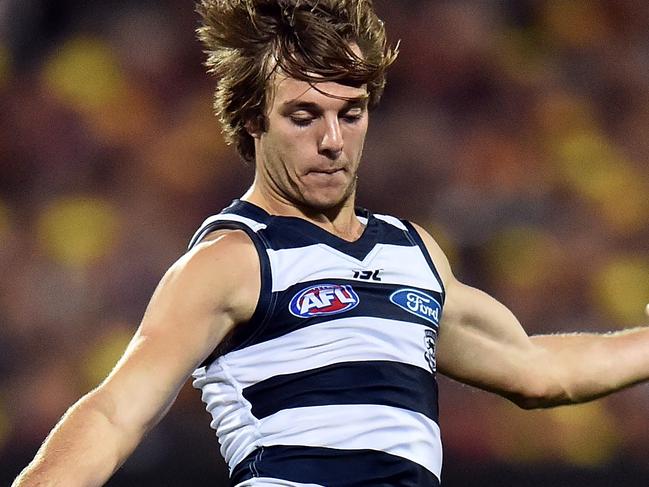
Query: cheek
(356, 140)
(286, 150)
(295, 145)
(355, 134)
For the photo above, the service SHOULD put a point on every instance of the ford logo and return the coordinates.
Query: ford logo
(418, 303)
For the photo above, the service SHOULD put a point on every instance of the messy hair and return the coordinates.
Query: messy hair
(247, 41)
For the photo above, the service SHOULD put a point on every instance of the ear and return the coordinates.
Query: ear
(255, 126)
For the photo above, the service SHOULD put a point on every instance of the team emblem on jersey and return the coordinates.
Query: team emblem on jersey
(430, 340)
(418, 303)
(323, 299)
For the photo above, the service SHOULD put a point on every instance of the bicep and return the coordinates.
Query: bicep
(481, 343)
(198, 301)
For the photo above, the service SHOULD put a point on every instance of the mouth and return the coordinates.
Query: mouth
(332, 170)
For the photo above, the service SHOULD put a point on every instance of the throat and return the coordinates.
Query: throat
(340, 221)
(350, 233)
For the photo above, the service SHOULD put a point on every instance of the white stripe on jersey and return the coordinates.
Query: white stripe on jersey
(268, 482)
(254, 225)
(392, 221)
(355, 339)
(358, 427)
(401, 265)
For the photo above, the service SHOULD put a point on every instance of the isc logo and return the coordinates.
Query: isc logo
(323, 299)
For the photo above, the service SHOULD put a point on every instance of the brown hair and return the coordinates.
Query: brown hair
(309, 40)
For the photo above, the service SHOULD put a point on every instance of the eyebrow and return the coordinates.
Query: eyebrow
(360, 101)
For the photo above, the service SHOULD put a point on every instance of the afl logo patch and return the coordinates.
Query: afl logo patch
(418, 303)
(323, 299)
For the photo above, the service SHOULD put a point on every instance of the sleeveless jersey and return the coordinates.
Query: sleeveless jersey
(332, 381)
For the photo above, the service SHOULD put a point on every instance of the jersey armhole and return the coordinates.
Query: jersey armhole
(415, 238)
(245, 332)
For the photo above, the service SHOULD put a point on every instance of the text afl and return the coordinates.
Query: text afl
(323, 299)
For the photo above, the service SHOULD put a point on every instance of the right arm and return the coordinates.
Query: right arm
(202, 297)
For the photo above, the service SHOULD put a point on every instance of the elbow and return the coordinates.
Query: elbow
(541, 394)
(529, 402)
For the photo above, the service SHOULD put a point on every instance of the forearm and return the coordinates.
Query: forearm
(84, 449)
(587, 366)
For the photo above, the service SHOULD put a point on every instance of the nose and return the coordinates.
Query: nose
(331, 143)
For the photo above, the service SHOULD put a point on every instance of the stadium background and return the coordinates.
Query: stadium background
(514, 130)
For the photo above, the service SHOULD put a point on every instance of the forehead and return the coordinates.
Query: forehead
(286, 91)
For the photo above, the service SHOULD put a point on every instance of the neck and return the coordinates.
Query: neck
(340, 220)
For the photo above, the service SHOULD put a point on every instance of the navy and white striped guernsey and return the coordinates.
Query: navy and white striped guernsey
(332, 382)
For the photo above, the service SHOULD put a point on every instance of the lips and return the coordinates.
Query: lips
(327, 170)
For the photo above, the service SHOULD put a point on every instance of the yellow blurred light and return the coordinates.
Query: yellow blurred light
(102, 357)
(625, 208)
(583, 435)
(587, 434)
(75, 231)
(523, 256)
(577, 24)
(84, 73)
(591, 166)
(621, 288)
(586, 162)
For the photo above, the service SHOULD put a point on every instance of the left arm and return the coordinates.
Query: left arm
(481, 343)
(595, 365)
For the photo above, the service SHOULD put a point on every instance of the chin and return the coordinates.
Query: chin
(323, 205)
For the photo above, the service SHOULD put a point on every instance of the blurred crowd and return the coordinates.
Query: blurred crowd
(513, 130)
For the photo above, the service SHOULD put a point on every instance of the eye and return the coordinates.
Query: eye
(353, 115)
(302, 121)
(302, 118)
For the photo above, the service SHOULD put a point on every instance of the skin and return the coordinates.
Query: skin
(308, 156)
(482, 343)
(306, 167)
(198, 301)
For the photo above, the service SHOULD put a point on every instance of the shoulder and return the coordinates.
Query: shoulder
(461, 299)
(224, 249)
(436, 253)
(222, 270)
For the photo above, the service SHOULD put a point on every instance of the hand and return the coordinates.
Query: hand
(646, 310)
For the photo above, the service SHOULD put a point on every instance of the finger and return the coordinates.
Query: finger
(646, 310)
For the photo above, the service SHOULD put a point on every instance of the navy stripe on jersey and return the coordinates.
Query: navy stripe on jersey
(247, 210)
(416, 238)
(374, 301)
(333, 468)
(292, 232)
(285, 232)
(376, 382)
(237, 207)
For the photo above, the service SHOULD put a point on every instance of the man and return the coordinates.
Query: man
(314, 329)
